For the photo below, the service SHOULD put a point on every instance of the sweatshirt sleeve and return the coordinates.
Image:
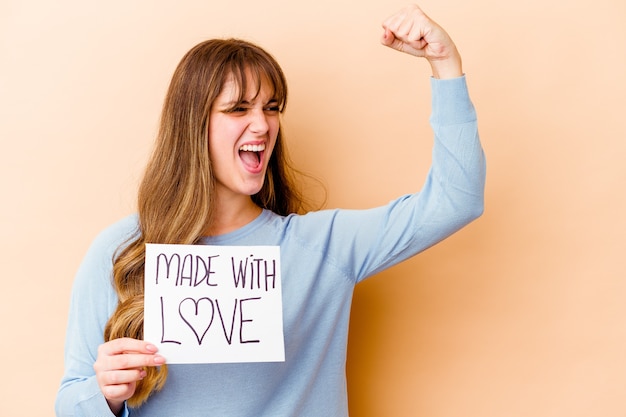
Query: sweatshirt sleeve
(364, 242)
(93, 300)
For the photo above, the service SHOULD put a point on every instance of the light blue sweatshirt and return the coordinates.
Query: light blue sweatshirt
(323, 254)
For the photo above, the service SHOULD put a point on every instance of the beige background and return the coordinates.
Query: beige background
(520, 314)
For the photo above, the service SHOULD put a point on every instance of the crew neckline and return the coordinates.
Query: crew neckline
(258, 221)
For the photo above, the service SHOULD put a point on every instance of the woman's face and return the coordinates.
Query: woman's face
(242, 136)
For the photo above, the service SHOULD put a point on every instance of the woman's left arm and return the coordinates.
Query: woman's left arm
(453, 194)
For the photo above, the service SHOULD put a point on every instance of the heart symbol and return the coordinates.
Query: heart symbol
(193, 318)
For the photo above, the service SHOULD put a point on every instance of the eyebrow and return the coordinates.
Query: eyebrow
(233, 103)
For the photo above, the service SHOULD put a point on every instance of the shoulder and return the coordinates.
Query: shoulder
(117, 233)
(316, 220)
(108, 241)
(92, 283)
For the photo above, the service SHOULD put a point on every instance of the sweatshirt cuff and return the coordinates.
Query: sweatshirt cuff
(95, 404)
(451, 103)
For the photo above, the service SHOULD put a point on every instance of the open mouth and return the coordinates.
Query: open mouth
(252, 155)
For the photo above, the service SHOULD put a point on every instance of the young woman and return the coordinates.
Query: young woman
(219, 176)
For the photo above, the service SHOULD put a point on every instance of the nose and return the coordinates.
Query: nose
(259, 123)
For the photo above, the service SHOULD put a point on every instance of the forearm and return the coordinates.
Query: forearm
(83, 398)
(458, 169)
(92, 302)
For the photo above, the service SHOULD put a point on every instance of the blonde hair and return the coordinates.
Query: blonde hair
(175, 198)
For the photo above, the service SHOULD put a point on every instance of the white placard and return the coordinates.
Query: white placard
(214, 304)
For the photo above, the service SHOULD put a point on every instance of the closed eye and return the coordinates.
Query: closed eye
(242, 108)
(272, 107)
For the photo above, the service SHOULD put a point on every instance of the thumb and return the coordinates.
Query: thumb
(389, 39)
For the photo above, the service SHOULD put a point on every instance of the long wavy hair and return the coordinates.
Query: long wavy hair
(175, 199)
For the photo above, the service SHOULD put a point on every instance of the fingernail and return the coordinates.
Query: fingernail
(151, 348)
(159, 360)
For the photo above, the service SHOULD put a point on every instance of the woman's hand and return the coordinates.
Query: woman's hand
(120, 364)
(412, 32)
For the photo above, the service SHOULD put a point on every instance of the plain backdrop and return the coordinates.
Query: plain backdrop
(522, 313)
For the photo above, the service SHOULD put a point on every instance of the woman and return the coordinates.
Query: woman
(219, 176)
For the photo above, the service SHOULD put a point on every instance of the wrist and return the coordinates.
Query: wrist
(451, 67)
(116, 407)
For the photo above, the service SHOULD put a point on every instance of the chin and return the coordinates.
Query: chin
(254, 190)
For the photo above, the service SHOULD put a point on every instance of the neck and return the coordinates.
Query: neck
(231, 215)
